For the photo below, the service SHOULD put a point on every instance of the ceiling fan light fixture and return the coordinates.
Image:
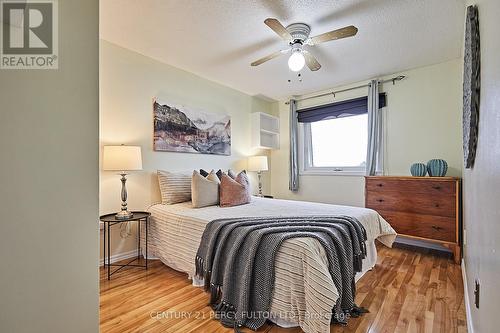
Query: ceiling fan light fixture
(296, 35)
(296, 61)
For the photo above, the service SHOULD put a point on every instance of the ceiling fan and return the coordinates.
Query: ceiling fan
(297, 35)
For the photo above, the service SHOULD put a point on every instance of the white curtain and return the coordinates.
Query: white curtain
(293, 184)
(375, 123)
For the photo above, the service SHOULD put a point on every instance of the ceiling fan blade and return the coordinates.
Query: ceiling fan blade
(268, 57)
(332, 35)
(279, 29)
(311, 61)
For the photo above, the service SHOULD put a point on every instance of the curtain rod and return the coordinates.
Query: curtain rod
(393, 80)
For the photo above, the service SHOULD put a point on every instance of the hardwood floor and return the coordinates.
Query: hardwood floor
(405, 292)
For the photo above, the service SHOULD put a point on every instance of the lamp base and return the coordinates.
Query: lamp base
(260, 185)
(124, 215)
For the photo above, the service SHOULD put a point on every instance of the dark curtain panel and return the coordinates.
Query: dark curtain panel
(346, 108)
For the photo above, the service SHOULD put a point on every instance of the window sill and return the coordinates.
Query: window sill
(332, 173)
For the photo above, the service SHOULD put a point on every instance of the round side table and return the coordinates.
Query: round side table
(110, 220)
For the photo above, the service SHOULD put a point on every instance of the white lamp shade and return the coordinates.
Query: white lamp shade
(257, 163)
(121, 158)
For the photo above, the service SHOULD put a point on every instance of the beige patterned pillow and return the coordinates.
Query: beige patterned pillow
(204, 190)
(174, 187)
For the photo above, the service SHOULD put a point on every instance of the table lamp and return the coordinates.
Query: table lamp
(258, 164)
(122, 158)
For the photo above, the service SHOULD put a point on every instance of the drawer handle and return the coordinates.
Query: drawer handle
(380, 200)
(380, 185)
(437, 205)
(435, 227)
(436, 187)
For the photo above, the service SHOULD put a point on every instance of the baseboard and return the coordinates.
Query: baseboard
(126, 255)
(120, 256)
(470, 327)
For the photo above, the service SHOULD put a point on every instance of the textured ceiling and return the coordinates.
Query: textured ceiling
(218, 39)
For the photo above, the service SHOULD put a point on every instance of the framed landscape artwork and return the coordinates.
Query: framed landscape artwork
(184, 130)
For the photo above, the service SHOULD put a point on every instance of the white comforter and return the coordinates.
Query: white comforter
(304, 292)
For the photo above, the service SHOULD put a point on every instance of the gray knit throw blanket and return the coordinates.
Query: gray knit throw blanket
(236, 259)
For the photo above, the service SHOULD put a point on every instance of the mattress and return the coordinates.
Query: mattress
(304, 292)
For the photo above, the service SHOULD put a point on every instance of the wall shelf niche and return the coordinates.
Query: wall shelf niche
(265, 131)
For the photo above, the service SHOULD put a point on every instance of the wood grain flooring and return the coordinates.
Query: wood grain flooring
(406, 292)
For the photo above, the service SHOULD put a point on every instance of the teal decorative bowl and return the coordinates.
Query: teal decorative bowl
(418, 170)
(437, 168)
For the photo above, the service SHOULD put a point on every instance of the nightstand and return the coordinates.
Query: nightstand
(110, 220)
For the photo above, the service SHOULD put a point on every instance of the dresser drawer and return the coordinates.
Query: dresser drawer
(421, 225)
(414, 186)
(439, 205)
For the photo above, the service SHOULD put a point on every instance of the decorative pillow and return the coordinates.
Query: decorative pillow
(203, 173)
(204, 190)
(174, 187)
(231, 174)
(234, 192)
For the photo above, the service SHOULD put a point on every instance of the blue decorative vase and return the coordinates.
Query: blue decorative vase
(437, 168)
(418, 170)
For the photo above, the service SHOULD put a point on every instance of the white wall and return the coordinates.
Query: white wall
(129, 81)
(423, 121)
(49, 185)
(481, 185)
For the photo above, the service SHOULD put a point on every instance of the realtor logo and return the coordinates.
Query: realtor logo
(29, 36)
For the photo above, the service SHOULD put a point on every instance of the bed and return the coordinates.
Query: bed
(304, 292)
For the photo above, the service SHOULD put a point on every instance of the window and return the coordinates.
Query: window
(333, 138)
(335, 145)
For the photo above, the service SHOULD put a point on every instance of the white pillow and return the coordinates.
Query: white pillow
(204, 190)
(174, 187)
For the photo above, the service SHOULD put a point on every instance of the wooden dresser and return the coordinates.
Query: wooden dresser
(427, 208)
